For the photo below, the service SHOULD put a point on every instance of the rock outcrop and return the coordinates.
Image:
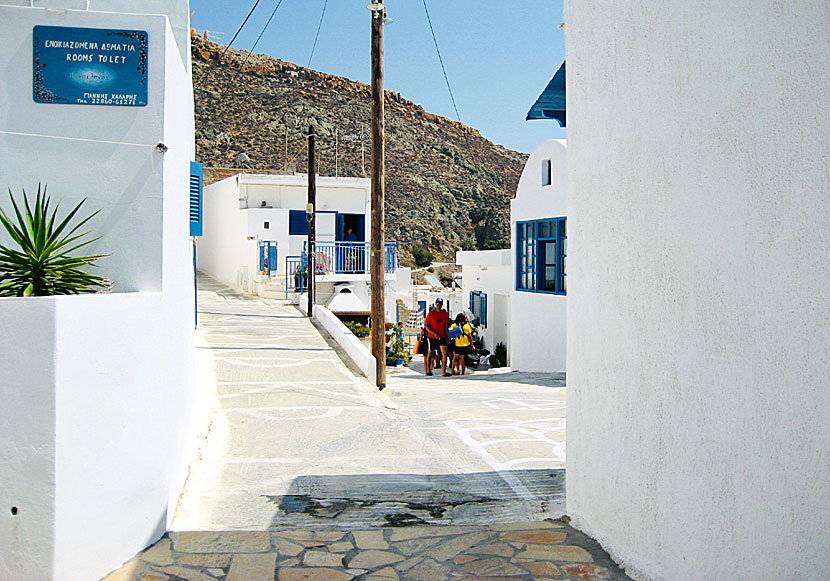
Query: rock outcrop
(445, 183)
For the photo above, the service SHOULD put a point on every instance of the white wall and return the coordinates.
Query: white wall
(177, 12)
(224, 250)
(27, 438)
(113, 373)
(489, 271)
(119, 455)
(698, 328)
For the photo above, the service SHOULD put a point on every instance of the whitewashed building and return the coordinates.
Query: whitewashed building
(487, 284)
(518, 295)
(256, 233)
(699, 308)
(97, 402)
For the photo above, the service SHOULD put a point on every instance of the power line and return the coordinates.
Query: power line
(238, 30)
(316, 36)
(435, 41)
(241, 26)
(264, 28)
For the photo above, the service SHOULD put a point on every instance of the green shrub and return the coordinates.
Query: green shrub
(358, 329)
(496, 244)
(468, 244)
(422, 256)
(499, 356)
(41, 264)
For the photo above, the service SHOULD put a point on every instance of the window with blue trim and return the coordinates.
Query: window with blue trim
(541, 255)
(478, 306)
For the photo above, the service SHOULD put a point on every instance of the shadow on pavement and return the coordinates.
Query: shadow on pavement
(394, 500)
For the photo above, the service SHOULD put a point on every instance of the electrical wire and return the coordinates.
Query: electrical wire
(238, 30)
(316, 36)
(241, 26)
(264, 28)
(441, 60)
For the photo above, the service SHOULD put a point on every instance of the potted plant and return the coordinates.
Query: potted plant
(301, 277)
(358, 329)
(41, 264)
(396, 352)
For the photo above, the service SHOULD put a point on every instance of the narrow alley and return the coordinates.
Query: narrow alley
(306, 471)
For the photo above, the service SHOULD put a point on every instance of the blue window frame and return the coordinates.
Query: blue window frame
(541, 255)
(297, 223)
(478, 306)
(268, 257)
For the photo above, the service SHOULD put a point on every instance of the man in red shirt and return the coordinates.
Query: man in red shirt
(437, 322)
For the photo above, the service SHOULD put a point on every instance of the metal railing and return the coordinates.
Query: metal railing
(296, 274)
(349, 257)
(334, 258)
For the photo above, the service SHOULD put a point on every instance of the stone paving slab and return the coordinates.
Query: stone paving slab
(549, 549)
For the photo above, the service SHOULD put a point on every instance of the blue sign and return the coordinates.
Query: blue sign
(90, 66)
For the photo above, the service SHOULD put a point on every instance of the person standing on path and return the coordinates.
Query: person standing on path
(463, 344)
(437, 322)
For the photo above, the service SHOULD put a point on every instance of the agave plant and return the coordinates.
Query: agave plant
(41, 264)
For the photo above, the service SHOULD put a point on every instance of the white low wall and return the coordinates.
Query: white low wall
(92, 429)
(353, 346)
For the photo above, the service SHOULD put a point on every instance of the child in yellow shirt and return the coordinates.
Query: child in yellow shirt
(461, 334)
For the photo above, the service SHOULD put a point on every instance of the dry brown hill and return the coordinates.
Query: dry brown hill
(445, 183)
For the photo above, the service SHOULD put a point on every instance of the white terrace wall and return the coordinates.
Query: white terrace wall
(97, 391)
(699, 297)
(538, 320)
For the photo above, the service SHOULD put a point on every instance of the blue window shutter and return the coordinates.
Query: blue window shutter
(297, 223)
(272, 258)
(196, 190)
(262, 250)
(483, 314)
(472, 304)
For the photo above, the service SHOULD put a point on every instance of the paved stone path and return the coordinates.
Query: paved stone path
(308, 472)
(540, 550)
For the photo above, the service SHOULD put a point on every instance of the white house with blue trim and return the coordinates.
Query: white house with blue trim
(518, 294)
(256, 233)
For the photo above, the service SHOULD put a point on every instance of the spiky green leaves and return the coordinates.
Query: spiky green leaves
(41, 264)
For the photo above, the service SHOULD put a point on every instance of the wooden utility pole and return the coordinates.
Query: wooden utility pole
(377, 254)
(310, 213)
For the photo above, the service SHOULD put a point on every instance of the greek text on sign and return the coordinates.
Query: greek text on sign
(90, 66)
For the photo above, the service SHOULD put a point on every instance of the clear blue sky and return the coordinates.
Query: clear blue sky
(499, 55)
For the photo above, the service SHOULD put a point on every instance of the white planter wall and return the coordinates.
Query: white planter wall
(698, 327)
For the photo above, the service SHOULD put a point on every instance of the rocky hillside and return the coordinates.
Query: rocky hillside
(445, 183)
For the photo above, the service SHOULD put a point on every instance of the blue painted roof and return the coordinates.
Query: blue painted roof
(551, 103)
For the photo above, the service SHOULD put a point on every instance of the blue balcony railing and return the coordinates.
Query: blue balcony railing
(349, 257)
(335, 258)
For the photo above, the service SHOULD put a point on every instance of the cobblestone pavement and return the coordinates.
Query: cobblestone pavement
(540, 550)
(306, 471)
